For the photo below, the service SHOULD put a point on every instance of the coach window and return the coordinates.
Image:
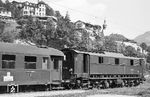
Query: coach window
(8, 61)
(56, 63)
(117, 61)
(101, 60)
(30, 62)
(45, 63)
(56, 60)
(131, 62)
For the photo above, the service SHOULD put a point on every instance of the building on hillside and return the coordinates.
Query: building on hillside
(32, 9)
(91, 29)
(45, 19)
(121, 45)
(4, 13)
(95, 39)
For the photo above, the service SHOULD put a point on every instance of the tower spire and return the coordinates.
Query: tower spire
(104, 25)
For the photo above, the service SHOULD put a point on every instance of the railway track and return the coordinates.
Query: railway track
(43, 93)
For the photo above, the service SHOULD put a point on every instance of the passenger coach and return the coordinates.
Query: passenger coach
(25, 67)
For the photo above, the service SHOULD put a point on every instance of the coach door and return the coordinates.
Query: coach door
(86, 63)
(57, 68)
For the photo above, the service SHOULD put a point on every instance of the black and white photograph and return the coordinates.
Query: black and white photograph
(74, 48)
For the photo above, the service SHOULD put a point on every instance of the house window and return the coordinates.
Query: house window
(8, 61)
(25, 12)
(25, 7)
(100, 60)
(30, 62)
(131, 62)
(117, 61)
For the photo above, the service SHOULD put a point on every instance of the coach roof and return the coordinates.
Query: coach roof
(26, 49)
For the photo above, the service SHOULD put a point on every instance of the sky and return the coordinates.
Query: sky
(127, 17)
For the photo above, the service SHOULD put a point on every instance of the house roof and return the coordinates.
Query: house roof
(26, 49)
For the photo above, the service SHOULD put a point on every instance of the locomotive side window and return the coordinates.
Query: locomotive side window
(131, 62)
(117, 61)
(101, 60)
(8, 61)
(85, 63)
(30, 62)
(45, 63)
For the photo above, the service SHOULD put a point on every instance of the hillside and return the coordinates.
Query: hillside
(143, 38)
(117, 37)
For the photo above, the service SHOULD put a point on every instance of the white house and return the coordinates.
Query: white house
(4, 12)
(32, 9)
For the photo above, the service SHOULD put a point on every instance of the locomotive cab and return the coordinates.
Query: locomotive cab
(75, 68)
(68, 65)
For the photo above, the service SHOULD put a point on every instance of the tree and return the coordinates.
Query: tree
(130, 51)
(32, 31)
(67, 17)
(16, 11)
(49, 11)
(1, 3)
(99, 42)
(118, 37)
(57, 14)
(46, 34)
(64, 31)
(2, 25)
(110, 45)
(148, 48)
(143, 46)
(7, 5)
(148, 57)
(8, 36)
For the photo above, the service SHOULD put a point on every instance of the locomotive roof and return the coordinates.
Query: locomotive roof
(107, 54)
(26, 49)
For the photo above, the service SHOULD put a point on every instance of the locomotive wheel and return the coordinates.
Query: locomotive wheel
(106, 84)
(48, 87)
(71, 86)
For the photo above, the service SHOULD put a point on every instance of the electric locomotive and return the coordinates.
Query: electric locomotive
(100, 70)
